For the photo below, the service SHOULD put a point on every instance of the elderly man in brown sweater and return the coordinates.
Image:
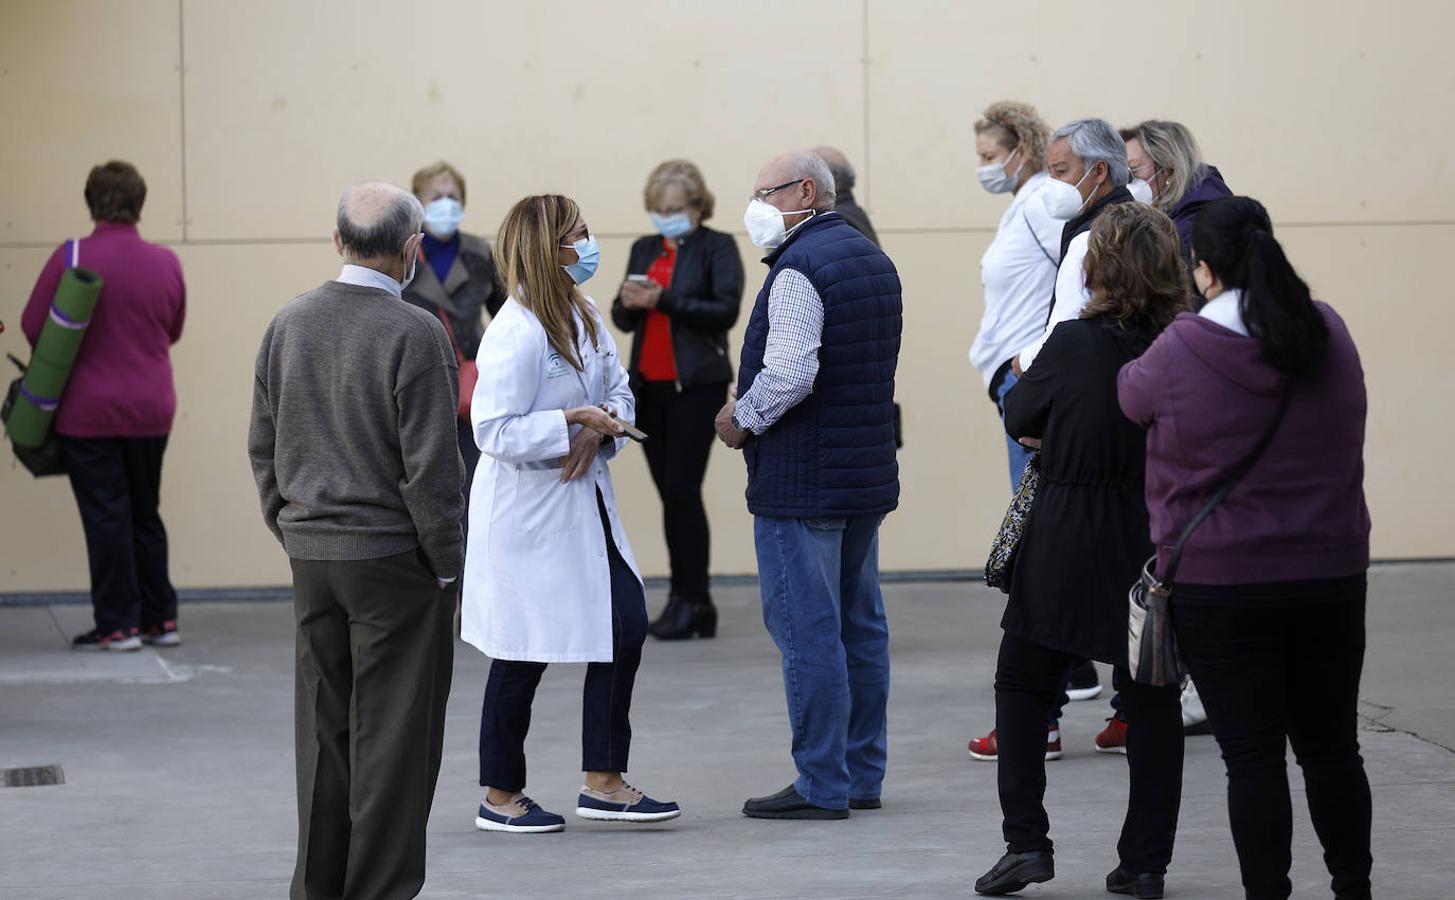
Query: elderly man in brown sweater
(353, 448)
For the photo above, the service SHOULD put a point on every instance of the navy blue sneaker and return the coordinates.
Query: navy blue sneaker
(521, 816)
(625, 804)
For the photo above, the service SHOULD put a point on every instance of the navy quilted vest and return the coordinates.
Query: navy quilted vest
(831, 456)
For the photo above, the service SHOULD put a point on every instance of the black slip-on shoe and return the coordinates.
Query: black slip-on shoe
(787, 804)
(865, 803)
(1015, 871)
(1142, 885)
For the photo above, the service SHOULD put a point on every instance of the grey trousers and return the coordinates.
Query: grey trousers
(375, 651)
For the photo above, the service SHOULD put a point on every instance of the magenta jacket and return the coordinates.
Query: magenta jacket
(1205, 394)
(121, 385)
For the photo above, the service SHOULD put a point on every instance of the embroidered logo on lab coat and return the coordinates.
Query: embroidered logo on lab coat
(555, 366)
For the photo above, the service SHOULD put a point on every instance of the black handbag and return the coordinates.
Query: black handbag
(1001, 564)
(39, 461)
(1152, 654)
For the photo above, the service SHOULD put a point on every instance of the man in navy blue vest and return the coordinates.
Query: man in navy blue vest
(814, 416)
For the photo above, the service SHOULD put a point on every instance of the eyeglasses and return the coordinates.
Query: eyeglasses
(763, 194)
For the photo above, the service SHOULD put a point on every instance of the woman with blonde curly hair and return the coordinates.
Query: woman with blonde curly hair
(1083, 544)
(1018, 272)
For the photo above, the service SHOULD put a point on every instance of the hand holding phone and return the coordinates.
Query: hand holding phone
(630, 431)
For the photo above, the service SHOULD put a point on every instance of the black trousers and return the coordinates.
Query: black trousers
(606, 731)
(1028, 682)
(680, 434)
(375, 648)
(1278, 665)
(117, 483)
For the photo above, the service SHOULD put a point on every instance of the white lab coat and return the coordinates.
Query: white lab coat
(537, 582)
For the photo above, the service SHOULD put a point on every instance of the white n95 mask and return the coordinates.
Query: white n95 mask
(1063, 201)
(1141, 191)
(764, 223)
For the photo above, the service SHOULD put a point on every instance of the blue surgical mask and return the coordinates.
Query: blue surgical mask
(442, 217)
(673, 226)
(588, 255)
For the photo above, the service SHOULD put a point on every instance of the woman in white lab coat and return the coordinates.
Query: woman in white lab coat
(550, 576)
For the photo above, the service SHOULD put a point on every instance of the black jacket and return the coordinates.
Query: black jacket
(702, 303)
(471, 287)
(1087, 534)
(854, 214)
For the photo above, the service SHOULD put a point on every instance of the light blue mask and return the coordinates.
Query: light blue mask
(588, 256)
(673, 226)
(442, 217)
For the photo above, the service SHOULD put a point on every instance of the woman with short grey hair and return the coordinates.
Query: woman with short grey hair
(1165, 155)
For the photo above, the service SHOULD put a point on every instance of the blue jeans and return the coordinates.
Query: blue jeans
(821, 603)
(1017, 451)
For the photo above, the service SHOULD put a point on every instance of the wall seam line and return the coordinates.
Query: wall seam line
(182, 109)
(864, 67)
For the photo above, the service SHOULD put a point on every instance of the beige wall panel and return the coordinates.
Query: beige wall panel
(290, 102)
(209, 502)
(1301, 109)
(1390, 286)
(954, 477)
(82, 82)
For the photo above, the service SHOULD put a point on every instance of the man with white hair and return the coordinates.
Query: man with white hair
(814, 416)
(353, 448)
(1087, 160)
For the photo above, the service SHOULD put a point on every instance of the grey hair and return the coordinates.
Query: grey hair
(1094, 141)
(1174, 150)
(385, 237)
(808, 164)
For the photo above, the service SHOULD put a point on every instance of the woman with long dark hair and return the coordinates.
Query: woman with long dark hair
(1084, 542)
(1269, 602)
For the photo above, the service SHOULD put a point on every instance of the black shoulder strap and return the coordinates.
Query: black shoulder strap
(1240, 470)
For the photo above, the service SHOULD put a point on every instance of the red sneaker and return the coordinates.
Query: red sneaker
(1113, 738)
(988, 748)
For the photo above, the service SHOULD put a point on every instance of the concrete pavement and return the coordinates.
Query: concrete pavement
(179, 767)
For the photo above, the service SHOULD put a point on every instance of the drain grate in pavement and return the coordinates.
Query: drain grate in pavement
(34, 776)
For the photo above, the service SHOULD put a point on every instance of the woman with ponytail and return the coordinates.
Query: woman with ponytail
(1269, 599)
(550, 576)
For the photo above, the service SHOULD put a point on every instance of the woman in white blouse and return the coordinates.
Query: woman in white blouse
(1018, 270)
(549, 573)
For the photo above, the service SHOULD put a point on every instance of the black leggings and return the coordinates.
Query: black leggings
(1274, 665)
(1029, 680)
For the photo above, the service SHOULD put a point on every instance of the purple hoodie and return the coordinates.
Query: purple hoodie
(1204, 191)
(1206, 394)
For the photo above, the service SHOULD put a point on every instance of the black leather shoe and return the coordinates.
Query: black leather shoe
(787, 804)
(682, 620)
(1142, 885)
(1015, 871)
(870, 803)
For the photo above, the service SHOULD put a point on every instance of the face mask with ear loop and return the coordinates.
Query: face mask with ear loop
(995, 179)
(1063, 200)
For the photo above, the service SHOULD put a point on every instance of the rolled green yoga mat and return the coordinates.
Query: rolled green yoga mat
(55, 353)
